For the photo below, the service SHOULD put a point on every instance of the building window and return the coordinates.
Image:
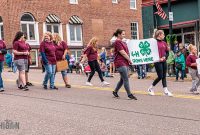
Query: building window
(53, 25)
(28, 26)
(115, 1)
(73, 1)
(134, 30)
(74, 29)
(132, 4)
(1, 29)
(77, 54)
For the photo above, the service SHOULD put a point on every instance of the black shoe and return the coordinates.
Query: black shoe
(29, 84)
(54, 88)
(45, 87)
(68, 86)
(20, 87)
(132, 97)
(25, 88)
(115, 94)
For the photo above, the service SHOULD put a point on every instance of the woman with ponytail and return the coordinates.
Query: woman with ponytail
(192, 66)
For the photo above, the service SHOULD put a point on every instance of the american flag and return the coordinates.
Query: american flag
(160, 12)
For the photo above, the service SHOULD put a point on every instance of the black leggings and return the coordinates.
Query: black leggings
(94, 66)
(161, 70)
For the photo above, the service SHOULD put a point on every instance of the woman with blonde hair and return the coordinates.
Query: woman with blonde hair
(161, 66)
(91, 53)
(61, 52)
(192, 66)
(47, 50)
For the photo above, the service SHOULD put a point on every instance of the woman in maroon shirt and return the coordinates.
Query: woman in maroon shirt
(21, 53)
(47, 51)
(161, 66)
(192, 66)
(2, 53)
(91, 53)
(122, 62)
(61, 51)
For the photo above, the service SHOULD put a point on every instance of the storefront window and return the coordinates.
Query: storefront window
(34, 58)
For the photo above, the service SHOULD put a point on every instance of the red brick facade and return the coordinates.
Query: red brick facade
(100, 17)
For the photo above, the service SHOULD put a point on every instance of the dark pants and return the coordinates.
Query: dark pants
(161, 70)
(94, 66)
(182, 74)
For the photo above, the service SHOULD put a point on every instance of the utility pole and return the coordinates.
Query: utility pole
(170, 23)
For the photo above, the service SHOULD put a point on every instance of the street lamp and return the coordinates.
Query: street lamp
(170, 23)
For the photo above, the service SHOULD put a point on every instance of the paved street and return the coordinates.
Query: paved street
(87, 110)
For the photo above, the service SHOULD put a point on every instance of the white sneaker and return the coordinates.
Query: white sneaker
(2, 89)
(151, 92)
(104, 83)
(88, 84)
(168, 93)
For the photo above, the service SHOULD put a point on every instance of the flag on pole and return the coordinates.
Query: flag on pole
(160, 12)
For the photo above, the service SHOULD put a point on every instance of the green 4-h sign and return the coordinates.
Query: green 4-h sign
(143, 51)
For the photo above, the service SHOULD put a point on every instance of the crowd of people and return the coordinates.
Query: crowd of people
(173, 61)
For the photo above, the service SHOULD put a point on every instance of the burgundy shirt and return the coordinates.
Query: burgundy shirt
(49, 49)
(20, 46)
(60, 49)
(191, 59)
(119, 60)
(91, 53)
(162, 48)
(2, 46)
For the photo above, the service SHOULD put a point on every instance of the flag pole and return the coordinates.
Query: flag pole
(154, 10)
(170, 25)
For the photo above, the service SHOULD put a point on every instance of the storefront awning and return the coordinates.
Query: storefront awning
(52, 18)
(75, 20)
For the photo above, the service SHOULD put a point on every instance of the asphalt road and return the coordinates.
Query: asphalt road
(85, 110)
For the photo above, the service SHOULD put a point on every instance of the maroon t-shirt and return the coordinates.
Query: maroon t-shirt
(191, 59)
(91, 53)
(20, 46)
(60, 49)
(119, 60)
(49, 49)
(2, 46)
(162, 48)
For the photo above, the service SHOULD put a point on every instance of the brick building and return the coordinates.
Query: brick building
(75, 20)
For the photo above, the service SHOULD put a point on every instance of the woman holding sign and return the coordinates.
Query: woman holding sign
(122, 62)
(161, 66)
(61, 51)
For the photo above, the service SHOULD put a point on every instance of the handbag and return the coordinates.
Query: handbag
(61, 65)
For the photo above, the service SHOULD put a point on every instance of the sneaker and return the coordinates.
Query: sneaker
(45, 87)
(29, 84)
(25, 88)
(54, 88)
(151, 92)
(68, 86)
(132, 97)
(88, 84)
(168, 93)
(2, 89)
(196, 92)
(20, 87)
(115, 94)
(104, 83)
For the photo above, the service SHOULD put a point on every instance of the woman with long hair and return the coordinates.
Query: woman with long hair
(161, 66)
(122, 62)
(47, 50)
(21, 55)
(91, 53)
(61, 52)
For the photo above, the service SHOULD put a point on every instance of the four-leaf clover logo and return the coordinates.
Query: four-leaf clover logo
(145, 48)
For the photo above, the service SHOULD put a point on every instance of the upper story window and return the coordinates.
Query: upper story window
(73, 1)
(1, 29)
(134, 30)
(133, 4)
(115, 1)
(28, 26)
(75, 31)
(53, 24)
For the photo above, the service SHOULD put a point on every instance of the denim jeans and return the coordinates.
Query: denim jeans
(182, 74)
(141, 71)
(50, 74)
(1, 69)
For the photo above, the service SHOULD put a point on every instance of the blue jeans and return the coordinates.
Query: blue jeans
(64, 73)
(182, 74)
(1, 69)
(141, 71)
(50, 74)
